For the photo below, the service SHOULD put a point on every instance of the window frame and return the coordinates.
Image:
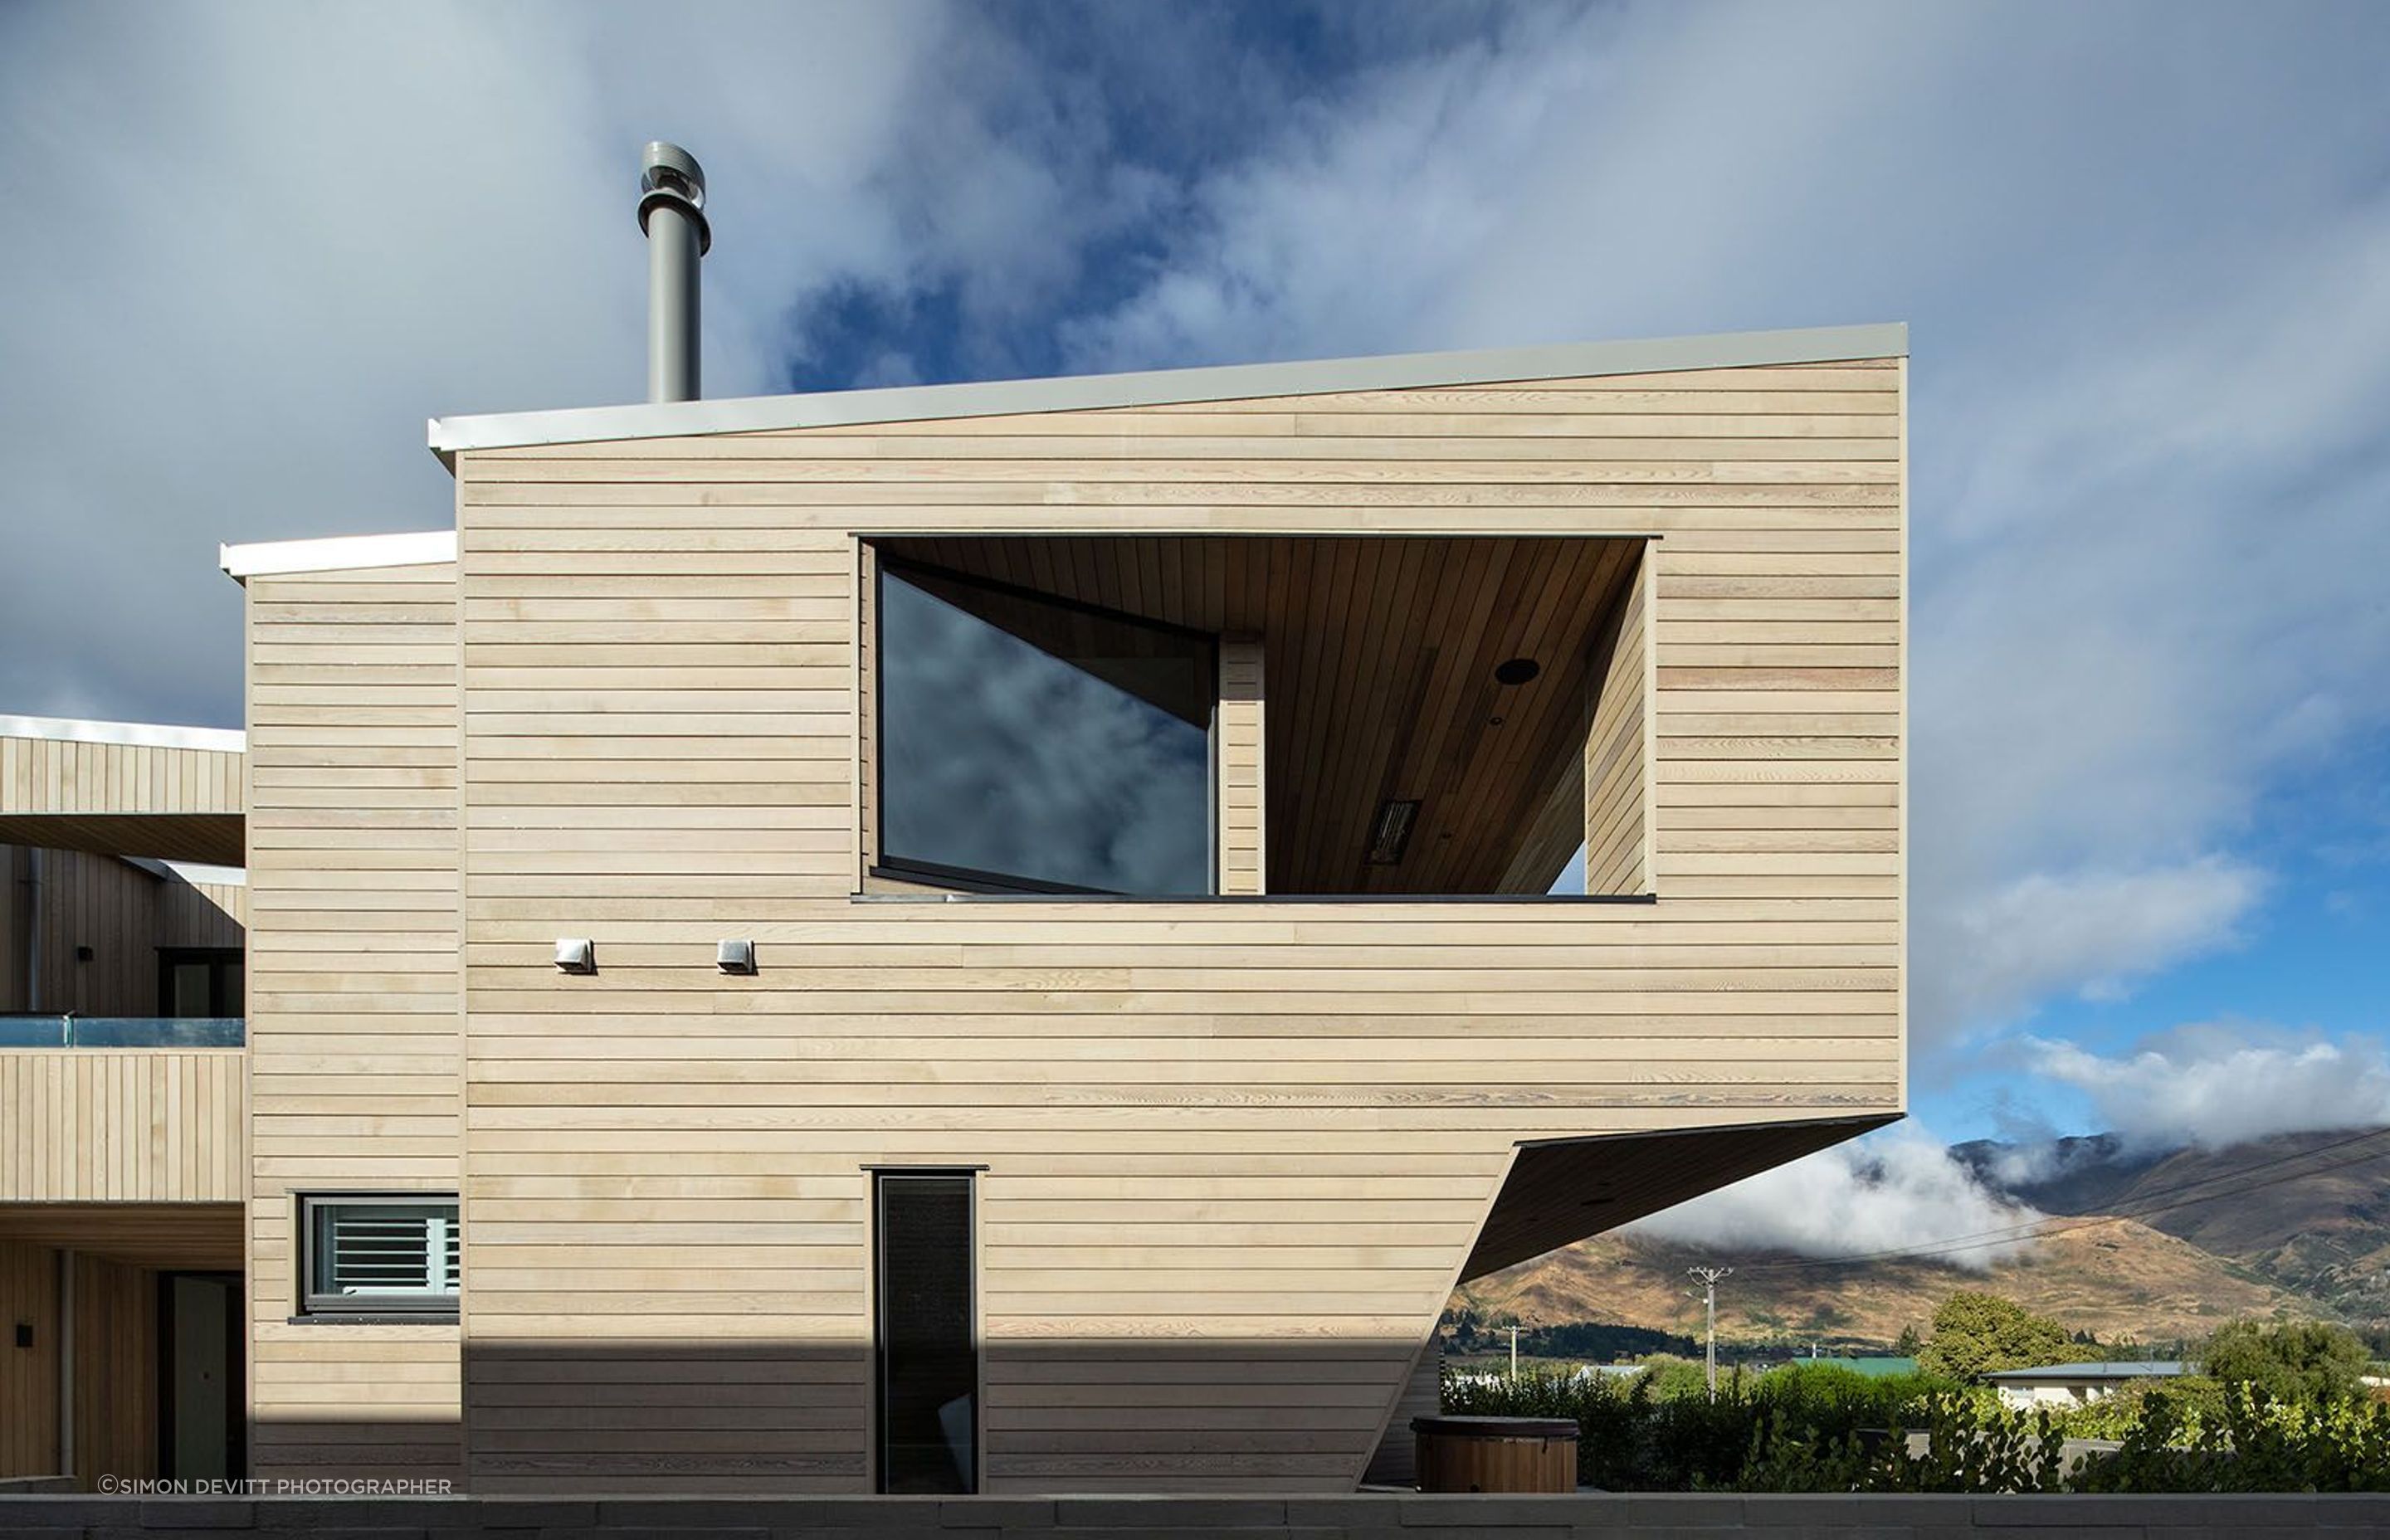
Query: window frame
(441, 1308)
(217, 959)
(879, 1177)
(973, 879)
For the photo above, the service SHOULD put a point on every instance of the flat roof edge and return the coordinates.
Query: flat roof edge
(1164, 386)
(136, 735)
(339, 554)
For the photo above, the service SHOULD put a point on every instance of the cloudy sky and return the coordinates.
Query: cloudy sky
(2144, 250)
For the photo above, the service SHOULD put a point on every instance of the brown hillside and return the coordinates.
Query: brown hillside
(2118, 1280)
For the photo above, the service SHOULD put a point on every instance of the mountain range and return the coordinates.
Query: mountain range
(2148, 1246)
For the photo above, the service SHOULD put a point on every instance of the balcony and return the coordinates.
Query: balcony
(71, 1030)
(116, 1109)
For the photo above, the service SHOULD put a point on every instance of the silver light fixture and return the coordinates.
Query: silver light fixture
(1389, 831)
(735, 956)
(576, 955)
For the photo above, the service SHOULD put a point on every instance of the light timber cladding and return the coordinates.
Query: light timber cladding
(1237, 1154)
(354, 1041)
(1618, 747)
(121, 1125)
(1241, 754)
(153, 798)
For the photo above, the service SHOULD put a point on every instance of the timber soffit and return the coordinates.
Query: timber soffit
(1168, 386)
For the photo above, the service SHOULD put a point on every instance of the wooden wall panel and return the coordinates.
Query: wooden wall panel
(40, 774)
(116, 1370)
(1243, 810)
(1236, 1154)
(120, 1126)
(354, 1042)
(1618, 752)
(29, 1387)
(122, 912)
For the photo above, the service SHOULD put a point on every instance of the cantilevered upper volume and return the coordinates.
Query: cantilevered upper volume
(1166, 387)
(1002, 937)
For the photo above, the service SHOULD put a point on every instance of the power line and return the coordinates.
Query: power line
(2139, 1208)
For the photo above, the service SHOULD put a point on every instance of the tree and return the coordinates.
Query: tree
(1976, 1334)
(1908, 1343)
(2309, 1361)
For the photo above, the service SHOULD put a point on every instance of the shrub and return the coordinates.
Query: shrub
(1820, 1428)
(2287, 1360)
(1976, 1334)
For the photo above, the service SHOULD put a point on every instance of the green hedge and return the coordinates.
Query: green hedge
(1820, 1428)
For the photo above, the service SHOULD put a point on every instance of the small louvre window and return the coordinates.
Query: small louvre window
(382, 1256)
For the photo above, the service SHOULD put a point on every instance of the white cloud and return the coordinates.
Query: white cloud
(255, 246)
(2092, 932)
(2142, 258)
(2224, 1084)
(1896, 1190)
(2143, 265)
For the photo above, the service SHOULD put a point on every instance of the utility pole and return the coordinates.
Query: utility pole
(1515, 1353)
(1707, 1295)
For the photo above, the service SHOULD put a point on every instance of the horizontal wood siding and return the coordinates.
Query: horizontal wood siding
(1618, 753)
(354, 1042)
(1236, 1154)
(1242, 841)
(120, 1126)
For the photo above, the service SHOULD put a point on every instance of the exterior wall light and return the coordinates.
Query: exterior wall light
(735, 956)
(576, 957)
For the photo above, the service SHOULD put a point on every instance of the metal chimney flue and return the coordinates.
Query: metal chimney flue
(672, 213)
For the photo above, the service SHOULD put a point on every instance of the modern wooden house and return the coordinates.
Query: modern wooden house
(1000, 937)
(123, 1130)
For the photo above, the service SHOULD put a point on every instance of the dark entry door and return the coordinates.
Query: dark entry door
(928, 1336)
(201, 1422)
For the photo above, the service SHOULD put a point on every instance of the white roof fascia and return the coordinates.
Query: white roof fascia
(138, 735)
(1165, 387)
(339, 553)
(193, 872)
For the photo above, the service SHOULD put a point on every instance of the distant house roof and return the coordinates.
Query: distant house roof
(1875, 1367)
(1234, 382)
(2152, 1368)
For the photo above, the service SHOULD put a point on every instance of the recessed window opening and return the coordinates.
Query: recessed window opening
(380, 1255)
(1028, 744)
(1269, 717)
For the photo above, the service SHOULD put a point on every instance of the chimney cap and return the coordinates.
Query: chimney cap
(662, 163)
(671, 174)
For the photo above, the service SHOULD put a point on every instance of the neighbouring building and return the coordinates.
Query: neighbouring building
(2076, 1384)
(969, 938)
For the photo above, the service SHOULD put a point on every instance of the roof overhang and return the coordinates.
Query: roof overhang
(129, 789)
(131, 735)
(339, 554)
(1167, 387)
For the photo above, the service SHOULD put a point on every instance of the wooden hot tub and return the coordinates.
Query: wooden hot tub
(1496, 1454)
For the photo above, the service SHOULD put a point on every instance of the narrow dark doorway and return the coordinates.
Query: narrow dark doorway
(926, 1347)
(202, 1418)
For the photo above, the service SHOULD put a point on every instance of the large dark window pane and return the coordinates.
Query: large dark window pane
(929, 1359)
(1040, 743)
